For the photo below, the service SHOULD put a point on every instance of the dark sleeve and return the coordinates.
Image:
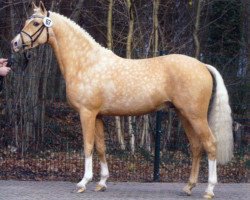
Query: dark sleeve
(1, 83)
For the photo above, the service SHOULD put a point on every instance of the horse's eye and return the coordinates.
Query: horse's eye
(36, 24)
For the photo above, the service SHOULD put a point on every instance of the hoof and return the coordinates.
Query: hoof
(187, 190)
(208, 196)
(100, 188)
(81, 190)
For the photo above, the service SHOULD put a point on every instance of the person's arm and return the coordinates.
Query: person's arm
(4, 70)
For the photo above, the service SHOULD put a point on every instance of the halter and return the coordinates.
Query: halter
(39, 31)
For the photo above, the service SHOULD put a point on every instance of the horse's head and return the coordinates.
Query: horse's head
(35, 31)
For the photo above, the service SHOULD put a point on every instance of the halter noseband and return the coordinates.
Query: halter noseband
(39, 31)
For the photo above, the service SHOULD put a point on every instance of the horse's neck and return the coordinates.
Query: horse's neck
(73, 47)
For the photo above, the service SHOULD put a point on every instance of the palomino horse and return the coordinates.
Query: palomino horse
(98, 83)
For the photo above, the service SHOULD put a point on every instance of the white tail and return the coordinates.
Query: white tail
(220, 120)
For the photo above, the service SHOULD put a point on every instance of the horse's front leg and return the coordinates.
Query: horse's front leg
(88, 119)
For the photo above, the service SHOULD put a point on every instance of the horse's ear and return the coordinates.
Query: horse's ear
(42, 7)
(33, 5)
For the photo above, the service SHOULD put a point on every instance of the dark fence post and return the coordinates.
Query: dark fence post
(157, 147)
(158, 140)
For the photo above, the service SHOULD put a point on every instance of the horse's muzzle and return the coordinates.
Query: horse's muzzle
(16, 43)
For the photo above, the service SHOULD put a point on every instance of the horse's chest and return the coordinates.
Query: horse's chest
(82, 95)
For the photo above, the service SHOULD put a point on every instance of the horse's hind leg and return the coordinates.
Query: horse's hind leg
(196, 149)
(101, 148)
(203, 132)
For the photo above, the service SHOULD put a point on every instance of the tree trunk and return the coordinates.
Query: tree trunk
(156, 4)
(130, 7)
(77, 11)
(13, 118)
(196, 29)
(247, 14)
(145, 138)
(156, 27)
(109, 25)
(110, 46)
(170, 123)
(44, 94)
(145, 132)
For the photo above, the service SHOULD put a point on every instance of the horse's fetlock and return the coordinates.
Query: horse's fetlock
(88, 177)
(105, 176)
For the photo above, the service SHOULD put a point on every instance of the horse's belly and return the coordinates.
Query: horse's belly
(133, 105)
(129, 111)
(134, 92)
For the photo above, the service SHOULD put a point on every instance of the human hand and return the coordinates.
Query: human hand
(4, 70)
(2, 61)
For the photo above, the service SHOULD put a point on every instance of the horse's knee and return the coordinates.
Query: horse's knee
(196, 150)
(88, 150)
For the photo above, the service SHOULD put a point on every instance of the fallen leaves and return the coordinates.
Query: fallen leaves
(70, 167)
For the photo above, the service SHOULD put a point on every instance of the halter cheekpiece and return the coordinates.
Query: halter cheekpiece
(47, 23)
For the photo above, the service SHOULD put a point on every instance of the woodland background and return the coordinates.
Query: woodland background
(40, 135)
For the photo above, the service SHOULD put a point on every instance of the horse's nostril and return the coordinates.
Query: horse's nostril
(15, 43)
